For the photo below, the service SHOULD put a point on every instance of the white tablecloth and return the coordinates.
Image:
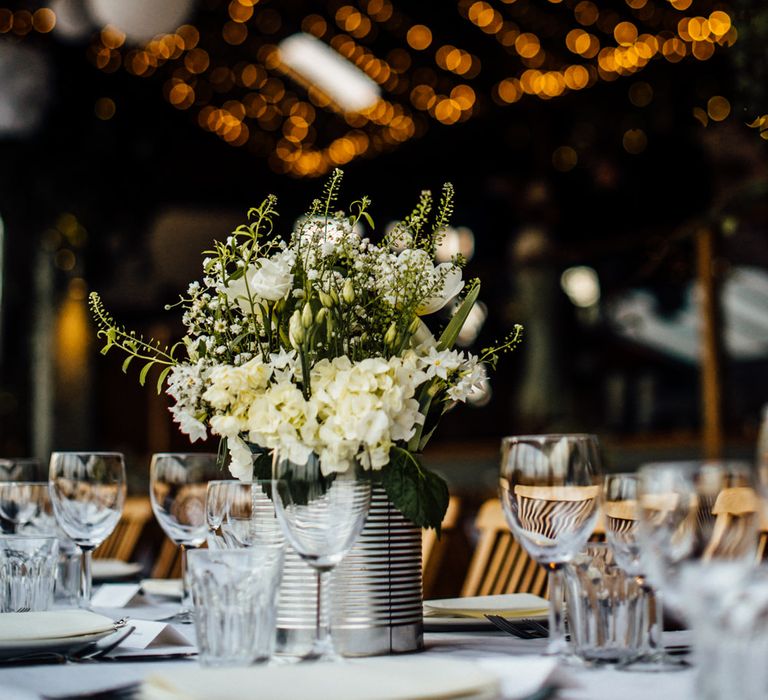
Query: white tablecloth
(28, 682)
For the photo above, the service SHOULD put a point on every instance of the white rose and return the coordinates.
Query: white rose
(267, 278)
(452, 285)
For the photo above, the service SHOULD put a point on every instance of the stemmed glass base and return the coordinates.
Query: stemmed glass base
(185, 615)
(558, 644)
(322, 646)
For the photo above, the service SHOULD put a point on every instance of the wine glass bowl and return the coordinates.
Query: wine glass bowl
(550, 488)
(178, 484)
(699, 522)
(87, 492)
(24, 503)
(620, 517)
(323, 521)
(241, 514)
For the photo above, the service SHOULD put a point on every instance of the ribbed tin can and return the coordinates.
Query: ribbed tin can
(376, 597)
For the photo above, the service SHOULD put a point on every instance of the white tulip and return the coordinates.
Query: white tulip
(452, 285)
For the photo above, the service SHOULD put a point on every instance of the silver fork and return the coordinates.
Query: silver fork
(523, 629)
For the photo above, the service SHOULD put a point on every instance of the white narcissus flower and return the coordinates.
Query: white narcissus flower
(440, 363)
(189, 425)
(452, 284)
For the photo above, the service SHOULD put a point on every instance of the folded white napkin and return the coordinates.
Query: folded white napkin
(412, 678)
(167, 587)
(51, 624)
(507, 605)
(114, 568)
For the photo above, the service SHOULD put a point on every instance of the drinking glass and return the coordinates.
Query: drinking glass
(241, 513)
(177, 488)
(621, 513)
(606, 608)
(27, 572)
(321, 505)
(30, 512)
(235, 597)
(87, 491)
(550, 487)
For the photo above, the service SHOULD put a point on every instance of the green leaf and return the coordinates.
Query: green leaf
(368, 218)
(126, 362)
(451, 332)
(161, 378)
(419, 495)
(144, 371)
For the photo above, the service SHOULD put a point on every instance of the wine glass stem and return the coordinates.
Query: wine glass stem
(186, 596)
(323, 644)
(657, 633)
(86, 578)
(557, 641)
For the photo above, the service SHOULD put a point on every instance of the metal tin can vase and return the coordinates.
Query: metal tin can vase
(376, 604)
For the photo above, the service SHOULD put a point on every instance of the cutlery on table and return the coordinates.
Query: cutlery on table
(123, 692)
(524, 628)
(91, 652)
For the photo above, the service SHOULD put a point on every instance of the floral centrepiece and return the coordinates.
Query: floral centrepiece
(316, 344)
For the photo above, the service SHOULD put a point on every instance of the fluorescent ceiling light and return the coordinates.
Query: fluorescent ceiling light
(319, 65)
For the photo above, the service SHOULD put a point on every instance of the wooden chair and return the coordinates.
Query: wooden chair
(168, 562)
(499, 564)
(433, 550)
(733, 512)
(121, 544)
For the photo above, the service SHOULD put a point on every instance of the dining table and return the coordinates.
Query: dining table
(517, 662)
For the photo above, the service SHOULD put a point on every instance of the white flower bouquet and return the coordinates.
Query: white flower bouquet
(317, 344)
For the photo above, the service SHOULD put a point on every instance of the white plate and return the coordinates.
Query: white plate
(12, 648)
(511, 605)
(114, 568)
(386, 678)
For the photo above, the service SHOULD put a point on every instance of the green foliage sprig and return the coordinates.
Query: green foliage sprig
(149, 351)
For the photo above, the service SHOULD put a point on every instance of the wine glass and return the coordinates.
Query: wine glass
(698, 539)
(550, 487)
(21, 469)
(321, 505)
(698, 528)
(24, 503)
(177, 488)
(242, 512)
(87, 491)
(621, 513)
(14, 469)
(215, 507)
